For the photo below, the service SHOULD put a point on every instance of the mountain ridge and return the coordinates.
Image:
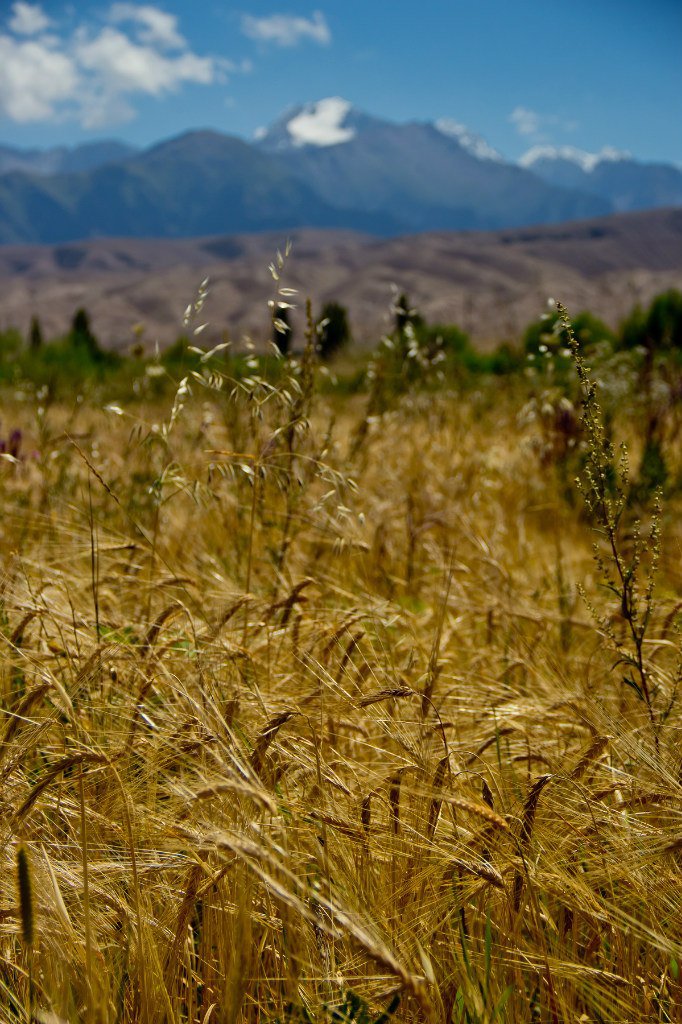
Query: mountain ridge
(320, 165)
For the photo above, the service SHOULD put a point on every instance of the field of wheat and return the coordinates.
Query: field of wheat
(337, 707)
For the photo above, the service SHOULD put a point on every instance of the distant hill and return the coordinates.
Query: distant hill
(625, 183)
(199, 183)
(62, 160)
(491, 283)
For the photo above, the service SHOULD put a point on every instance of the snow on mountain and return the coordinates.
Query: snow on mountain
(322, 123)
(626, 183)
(474, 144)
(584, 160)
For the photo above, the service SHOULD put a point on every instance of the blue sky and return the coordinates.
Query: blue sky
(585, 73)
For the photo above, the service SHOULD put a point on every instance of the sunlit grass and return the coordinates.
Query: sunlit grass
(303, 710)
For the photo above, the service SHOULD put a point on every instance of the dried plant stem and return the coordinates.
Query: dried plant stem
(86, 891)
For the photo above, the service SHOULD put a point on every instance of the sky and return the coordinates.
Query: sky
(521, 73)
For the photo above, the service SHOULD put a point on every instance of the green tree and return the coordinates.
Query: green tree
(333, 329)
(35, 335)
(82, 338)
(659, 328)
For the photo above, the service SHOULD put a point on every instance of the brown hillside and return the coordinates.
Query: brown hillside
(492, 284)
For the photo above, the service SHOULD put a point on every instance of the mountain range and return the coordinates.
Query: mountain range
(321, 165)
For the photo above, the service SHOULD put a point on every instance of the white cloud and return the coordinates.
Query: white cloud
(526, 122)
(122, 65)
(28, 19)
(531, 124)
(287, 29)
(93, 75)
(35, 79)
(154, 26)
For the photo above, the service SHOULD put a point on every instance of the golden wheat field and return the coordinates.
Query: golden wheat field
(320, 707)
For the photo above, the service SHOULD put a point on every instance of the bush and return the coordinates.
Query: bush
(333, 329)
(588, 330)
(448, 340)
(81, 336)
(35, 335)
(658, 329)
(11, 344)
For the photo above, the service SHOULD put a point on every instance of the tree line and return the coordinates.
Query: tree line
(653, 330)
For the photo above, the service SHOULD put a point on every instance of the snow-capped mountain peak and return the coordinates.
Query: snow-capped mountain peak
(580, 157)
(474, 144)
(321, 123)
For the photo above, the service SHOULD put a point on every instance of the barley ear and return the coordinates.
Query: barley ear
(25, 886)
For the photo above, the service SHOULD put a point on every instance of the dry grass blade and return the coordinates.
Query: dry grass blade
(166, 615)
(17, 636)
(20, 712)
(376, 698)
(343, 827)
(478, 810)
(394, 799)
(239, 787)
(336, 918)
(337, 634)
(348, 653)
(530, 807)
(64, 764)
(442, 770)
(287, 604)
(593, 752)
(366, 813)
(194, 876)
(267, 736)
(526, 832)
(482, 869)
(506, 730)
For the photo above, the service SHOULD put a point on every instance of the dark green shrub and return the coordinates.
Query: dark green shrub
(659, 328)
(10, 342)
(81, 337)
(547, 333)
(333, 329)
(505, 359)
(35, 335)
